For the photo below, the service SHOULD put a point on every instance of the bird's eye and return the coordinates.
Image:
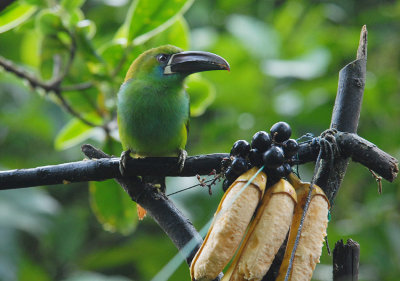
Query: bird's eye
(162, 58)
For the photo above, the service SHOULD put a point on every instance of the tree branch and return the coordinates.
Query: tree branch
(178, 228)
(33, 81)
(77, 87)
(54, 85)
(345, 116)
(351, 145)
(108, 168)
(346, 258)
(359, 150)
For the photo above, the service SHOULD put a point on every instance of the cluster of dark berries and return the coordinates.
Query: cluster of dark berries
(274, 150)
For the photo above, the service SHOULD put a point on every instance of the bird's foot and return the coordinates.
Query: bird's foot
(125, 156)
(181, 159)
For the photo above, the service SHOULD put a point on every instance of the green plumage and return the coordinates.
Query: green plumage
(153, 108)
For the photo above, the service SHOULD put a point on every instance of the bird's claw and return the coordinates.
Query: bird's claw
(125, 156)
(181, 159)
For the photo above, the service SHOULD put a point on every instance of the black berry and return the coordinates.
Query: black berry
(225, 185)
(280, 171)
(273, 157)
(280, 131)
(239, 165)
(288, 169)
(290, 147)
(255, 157)
(261, 141)
(230, 174)
(240, 148)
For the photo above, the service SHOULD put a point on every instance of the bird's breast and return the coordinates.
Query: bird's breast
(154, 122)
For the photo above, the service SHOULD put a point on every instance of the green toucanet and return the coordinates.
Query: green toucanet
(153, 106)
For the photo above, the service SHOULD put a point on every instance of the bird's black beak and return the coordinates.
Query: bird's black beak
(191, 62)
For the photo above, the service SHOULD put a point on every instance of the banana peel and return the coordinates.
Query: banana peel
(266, 234)
(229, 227)
(312, 235)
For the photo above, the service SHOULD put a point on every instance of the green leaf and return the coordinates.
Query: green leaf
(49, 23)
(201, 92)
(113, 206)
(112, 53)
(40, 3)
(84, 32)
(30, 270)
(14, 15)
(86, 27)
(71, 5)
(74, 17)
(177, 34)
(75, 132)
(49, 47)
(54, 41)
(147, 18)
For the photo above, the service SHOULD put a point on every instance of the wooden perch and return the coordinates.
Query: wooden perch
(98, 169)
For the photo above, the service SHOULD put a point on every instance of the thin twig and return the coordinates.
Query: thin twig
(33, 81)
(362, 46)
(63, 73)
(190, 187)
(54, 85)
(77, 87)
(72, 111)
(378, 180)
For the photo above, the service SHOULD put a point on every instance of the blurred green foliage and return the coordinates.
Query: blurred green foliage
(284, 57)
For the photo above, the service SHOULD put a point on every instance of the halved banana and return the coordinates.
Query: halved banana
(312, 235)
(266, 234)
(229, 227)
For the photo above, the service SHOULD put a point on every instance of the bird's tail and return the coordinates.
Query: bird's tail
(157, 182)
